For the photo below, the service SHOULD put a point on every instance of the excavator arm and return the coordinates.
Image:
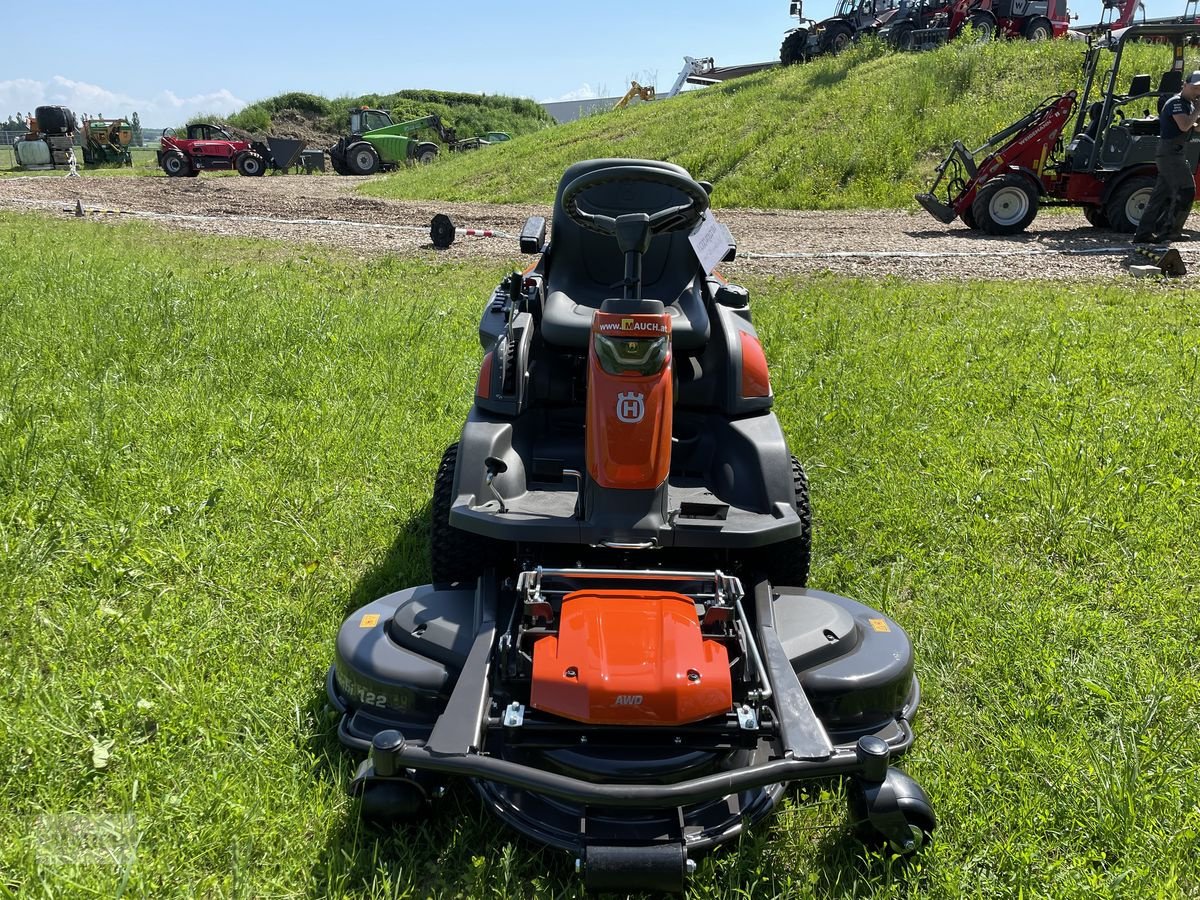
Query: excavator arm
(635, 90)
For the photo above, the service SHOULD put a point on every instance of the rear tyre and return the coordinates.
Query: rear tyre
(1039, 30)
(902, 36)
(794, 48)
(1006, 204)
(837, 39)
(1096, 216)
(1127, 203)
(250, 164)
(968, 218)
(361, 159)
(426, 157)
(788, 562)
(175, 164)
(454, 554)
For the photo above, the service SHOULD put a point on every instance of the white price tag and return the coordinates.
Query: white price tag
(710, 242)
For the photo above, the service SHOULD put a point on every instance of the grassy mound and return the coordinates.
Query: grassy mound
(864, 129)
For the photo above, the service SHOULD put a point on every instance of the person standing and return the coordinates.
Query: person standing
(1175, 190)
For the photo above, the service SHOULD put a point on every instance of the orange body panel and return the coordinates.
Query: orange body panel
(483, 386)
(756, 382)
(630, 658)
(629, 416)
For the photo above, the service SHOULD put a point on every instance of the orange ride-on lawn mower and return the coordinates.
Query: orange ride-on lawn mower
(1106, 166)
(618, 649)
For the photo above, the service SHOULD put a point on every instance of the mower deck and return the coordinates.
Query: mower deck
(439, 681)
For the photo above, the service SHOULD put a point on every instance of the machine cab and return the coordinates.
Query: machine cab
(201, 131)
(363, 120)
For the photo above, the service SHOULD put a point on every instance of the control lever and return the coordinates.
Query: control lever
(495, 467)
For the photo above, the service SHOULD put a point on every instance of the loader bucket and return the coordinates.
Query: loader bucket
(284, 151)
(936, 208)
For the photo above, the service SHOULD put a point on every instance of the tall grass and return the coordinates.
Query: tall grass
(211, 451)
(864, 129)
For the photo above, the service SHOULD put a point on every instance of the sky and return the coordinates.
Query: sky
(169, 61)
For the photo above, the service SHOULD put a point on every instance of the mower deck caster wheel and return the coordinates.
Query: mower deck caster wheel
(387, 795)
(894, 813)
(390, 801)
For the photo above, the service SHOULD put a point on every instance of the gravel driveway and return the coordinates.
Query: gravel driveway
(325, 211)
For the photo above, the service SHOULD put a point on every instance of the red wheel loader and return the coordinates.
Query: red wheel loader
(1106, 165)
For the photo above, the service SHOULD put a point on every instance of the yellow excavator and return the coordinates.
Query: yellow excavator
(635, 90)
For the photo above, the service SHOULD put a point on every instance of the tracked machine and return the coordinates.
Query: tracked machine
(619, 650)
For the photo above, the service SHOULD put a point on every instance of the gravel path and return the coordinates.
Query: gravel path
(325, 211)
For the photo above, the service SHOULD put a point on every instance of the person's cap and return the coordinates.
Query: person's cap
(1194, 78)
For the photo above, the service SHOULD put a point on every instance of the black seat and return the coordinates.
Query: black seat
(1168, 86)
(1138, 85)
(583, 268)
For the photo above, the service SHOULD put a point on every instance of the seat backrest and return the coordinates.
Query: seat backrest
(590, 267)
(1140, 84)
(1168, 86)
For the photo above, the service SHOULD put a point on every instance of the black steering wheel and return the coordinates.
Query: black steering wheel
(662, 221)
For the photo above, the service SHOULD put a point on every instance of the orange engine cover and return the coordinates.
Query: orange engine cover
(630, 658)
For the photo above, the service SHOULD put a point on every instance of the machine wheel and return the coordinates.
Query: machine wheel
(894, 813)
(901, 36)
(984, 25)
(788, 562)
(454, 554)
(837, 39)
(968, 217)
(391, 801)
(1127, 203)
(361, 159)
(794, 48)
(1005, 205)
(1096, 216)
(250, 164)
(1039, 30)
(426, 157)
(175, 164)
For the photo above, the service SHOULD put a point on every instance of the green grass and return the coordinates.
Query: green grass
(864, 129)
(211, 451)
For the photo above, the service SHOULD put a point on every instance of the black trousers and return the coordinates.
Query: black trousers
(1171, 200)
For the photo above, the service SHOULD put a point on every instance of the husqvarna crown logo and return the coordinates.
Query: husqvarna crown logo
(631, 407)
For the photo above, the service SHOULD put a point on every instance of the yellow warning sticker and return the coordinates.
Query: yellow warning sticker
(880, 624)
(369, 620)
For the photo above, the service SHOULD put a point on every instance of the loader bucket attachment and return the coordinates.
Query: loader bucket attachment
(284, 151)
(937, 209)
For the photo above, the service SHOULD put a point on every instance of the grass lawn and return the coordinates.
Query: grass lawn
(212, 450)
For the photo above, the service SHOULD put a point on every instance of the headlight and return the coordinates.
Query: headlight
(632, 356)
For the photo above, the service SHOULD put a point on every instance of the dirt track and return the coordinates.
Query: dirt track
(324, 210)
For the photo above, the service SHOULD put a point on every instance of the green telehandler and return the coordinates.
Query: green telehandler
(377, 144)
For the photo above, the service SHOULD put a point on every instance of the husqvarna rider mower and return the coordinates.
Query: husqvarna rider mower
(618, 649)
